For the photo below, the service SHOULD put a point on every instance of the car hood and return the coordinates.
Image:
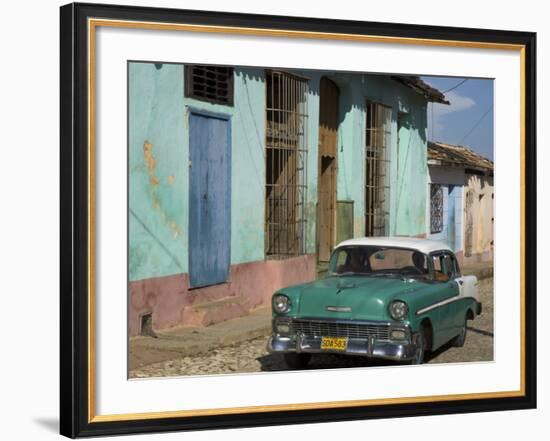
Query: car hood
(354, 298)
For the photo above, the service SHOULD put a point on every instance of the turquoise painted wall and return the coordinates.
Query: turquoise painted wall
(157, 173)
(159, 168)
(159, 162)
(408, 161)
(408, 175)
(312, 159)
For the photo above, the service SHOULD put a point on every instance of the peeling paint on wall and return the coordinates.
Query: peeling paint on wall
(150, 162)
(157, 214)
(479, 234)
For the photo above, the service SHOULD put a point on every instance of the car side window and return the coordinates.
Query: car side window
(448, 265)
(456, 267)
(445, 267)
(440, 273)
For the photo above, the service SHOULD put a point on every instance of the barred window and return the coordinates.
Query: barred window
(286, 154)
(209, 83)
(377, 188)
(436, 208)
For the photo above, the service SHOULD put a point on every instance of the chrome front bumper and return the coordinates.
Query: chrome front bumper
(396, 350)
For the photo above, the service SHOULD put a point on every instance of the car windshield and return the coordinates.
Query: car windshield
(377, 261)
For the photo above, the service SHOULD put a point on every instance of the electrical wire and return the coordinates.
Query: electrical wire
(458, 85)
(477, 123)
(448, 90)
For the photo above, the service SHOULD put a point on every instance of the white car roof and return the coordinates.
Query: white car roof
(425, 246)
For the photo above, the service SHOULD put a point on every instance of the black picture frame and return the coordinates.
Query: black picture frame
(75, 416)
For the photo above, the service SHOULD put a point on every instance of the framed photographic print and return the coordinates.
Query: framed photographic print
(275, 220)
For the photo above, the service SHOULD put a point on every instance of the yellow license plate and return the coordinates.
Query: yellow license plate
(334, 343)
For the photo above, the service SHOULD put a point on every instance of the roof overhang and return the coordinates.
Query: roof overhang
(415, 83)
(453, 156)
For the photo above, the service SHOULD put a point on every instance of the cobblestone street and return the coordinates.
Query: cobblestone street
(251, 355)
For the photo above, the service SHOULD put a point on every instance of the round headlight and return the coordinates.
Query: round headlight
(281, 303)
(398, 310)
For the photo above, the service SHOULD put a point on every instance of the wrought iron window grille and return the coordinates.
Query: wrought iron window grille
(377, 169)
(286, 160)
(436, 208)
(213, 84)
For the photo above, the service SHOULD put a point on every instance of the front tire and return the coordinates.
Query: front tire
(297, 361)
(420, 347)
(460, 339)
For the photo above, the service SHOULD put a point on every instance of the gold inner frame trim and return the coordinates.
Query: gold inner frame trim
(92, 25)
(522, 193)
(301, 406)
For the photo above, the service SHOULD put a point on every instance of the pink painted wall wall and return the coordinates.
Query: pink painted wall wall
(250, 285)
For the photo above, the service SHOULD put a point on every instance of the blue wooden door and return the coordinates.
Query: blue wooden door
(209, 198)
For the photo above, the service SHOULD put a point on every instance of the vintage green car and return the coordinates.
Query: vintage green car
(392, 298)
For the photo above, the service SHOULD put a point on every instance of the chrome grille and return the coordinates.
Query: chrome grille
(314, 328)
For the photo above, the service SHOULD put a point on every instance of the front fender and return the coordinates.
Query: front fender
(422, 299)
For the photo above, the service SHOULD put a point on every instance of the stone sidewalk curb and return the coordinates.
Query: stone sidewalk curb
(189, 342)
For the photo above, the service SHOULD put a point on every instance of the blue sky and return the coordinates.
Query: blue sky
(468, 121)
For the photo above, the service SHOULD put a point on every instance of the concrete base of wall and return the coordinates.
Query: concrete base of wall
(486, 256)
(171, 303)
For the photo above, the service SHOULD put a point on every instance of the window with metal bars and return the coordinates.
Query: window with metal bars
(436, 208)
(377, 190)
(209, 83)
(286, 158)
